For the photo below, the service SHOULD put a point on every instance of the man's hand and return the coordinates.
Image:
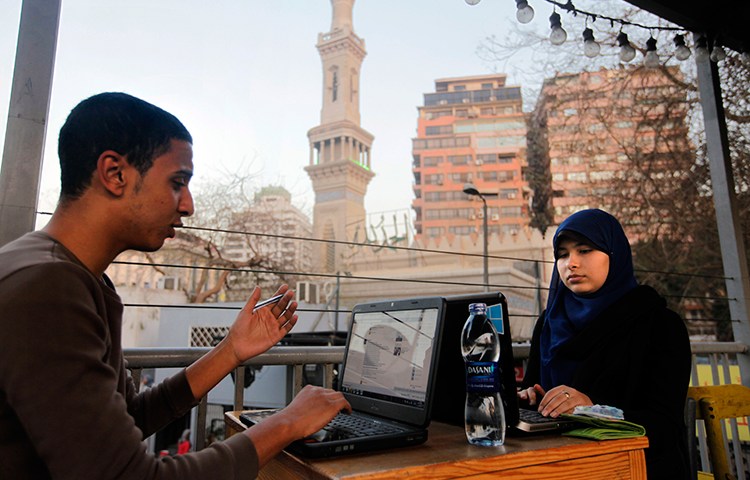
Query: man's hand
(254, 332)
(310, 411)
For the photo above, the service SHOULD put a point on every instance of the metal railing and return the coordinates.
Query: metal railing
(718, 355)
(297, 357)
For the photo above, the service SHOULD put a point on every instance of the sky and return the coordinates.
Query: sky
(245, 77)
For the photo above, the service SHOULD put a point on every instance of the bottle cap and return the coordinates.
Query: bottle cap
(475, 307)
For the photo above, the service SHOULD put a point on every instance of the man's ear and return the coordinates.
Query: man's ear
(112, 171)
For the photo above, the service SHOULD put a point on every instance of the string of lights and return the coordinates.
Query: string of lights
(627, 52)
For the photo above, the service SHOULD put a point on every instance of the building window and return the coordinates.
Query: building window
(436, 179)
(461, 230)
(439, 130)
(431, 161)
(603, 175)
(510, 212)
(483, 158)
(577, 176)
(335, 86)
(438, 114)
(461, 177)
(459, 159)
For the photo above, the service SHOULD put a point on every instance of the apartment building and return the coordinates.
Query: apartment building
(470, 130)
(277, 225)
(616, 139)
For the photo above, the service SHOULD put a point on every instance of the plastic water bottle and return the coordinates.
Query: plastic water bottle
(480, 346)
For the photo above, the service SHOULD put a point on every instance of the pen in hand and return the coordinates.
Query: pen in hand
(267, 301)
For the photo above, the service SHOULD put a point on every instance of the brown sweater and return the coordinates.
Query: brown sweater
(67, 407)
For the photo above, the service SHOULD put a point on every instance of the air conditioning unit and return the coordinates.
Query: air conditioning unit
(472, 217)
(168, 283)
(308, 292)
(465, 100)
(479, 162)
(480, 215)
(496, 217)
(443, 102)
(511, 195)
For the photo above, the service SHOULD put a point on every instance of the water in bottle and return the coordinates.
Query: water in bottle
(480, 346)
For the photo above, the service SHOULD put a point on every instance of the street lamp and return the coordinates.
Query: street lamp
(471, 189)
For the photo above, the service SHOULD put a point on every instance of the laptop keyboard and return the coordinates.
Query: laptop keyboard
(533, 416)
(341, 427)
(353, 426)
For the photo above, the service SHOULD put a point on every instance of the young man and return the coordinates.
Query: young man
(67, 406)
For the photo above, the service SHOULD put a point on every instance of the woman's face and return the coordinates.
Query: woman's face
(582, 269)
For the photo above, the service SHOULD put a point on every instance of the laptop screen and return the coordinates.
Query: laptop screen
(389, 355)
(391, 349)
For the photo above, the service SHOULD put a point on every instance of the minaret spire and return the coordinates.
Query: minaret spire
(342, 15)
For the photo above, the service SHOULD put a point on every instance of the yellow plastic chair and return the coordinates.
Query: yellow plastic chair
(715, 403)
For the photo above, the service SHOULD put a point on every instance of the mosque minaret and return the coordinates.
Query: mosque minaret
(340, 150)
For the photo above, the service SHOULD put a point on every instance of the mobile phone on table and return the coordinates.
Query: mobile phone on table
(267, 301)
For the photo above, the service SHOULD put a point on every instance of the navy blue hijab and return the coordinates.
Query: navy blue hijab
(568, 313)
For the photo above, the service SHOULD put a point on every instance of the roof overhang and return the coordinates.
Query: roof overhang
(726, 20)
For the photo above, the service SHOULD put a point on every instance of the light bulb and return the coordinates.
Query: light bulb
(473, 2)
(557, 34)
(525, 13)
(627, 52)
(718, 54)
(681, 52)
(651, 59)
(590, 47)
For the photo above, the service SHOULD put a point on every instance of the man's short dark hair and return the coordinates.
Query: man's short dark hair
(118, 122)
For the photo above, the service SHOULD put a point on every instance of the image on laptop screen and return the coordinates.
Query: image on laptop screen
(389, 355)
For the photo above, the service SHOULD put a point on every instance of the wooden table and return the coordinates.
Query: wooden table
(446, 454)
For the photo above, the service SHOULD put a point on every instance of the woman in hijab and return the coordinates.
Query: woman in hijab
(603, 339)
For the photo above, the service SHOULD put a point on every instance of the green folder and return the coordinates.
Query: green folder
(602, 428)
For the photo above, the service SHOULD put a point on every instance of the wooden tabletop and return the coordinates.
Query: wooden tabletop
(447, 454)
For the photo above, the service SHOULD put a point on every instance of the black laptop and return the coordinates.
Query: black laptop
(388, 377)
(450, 388)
